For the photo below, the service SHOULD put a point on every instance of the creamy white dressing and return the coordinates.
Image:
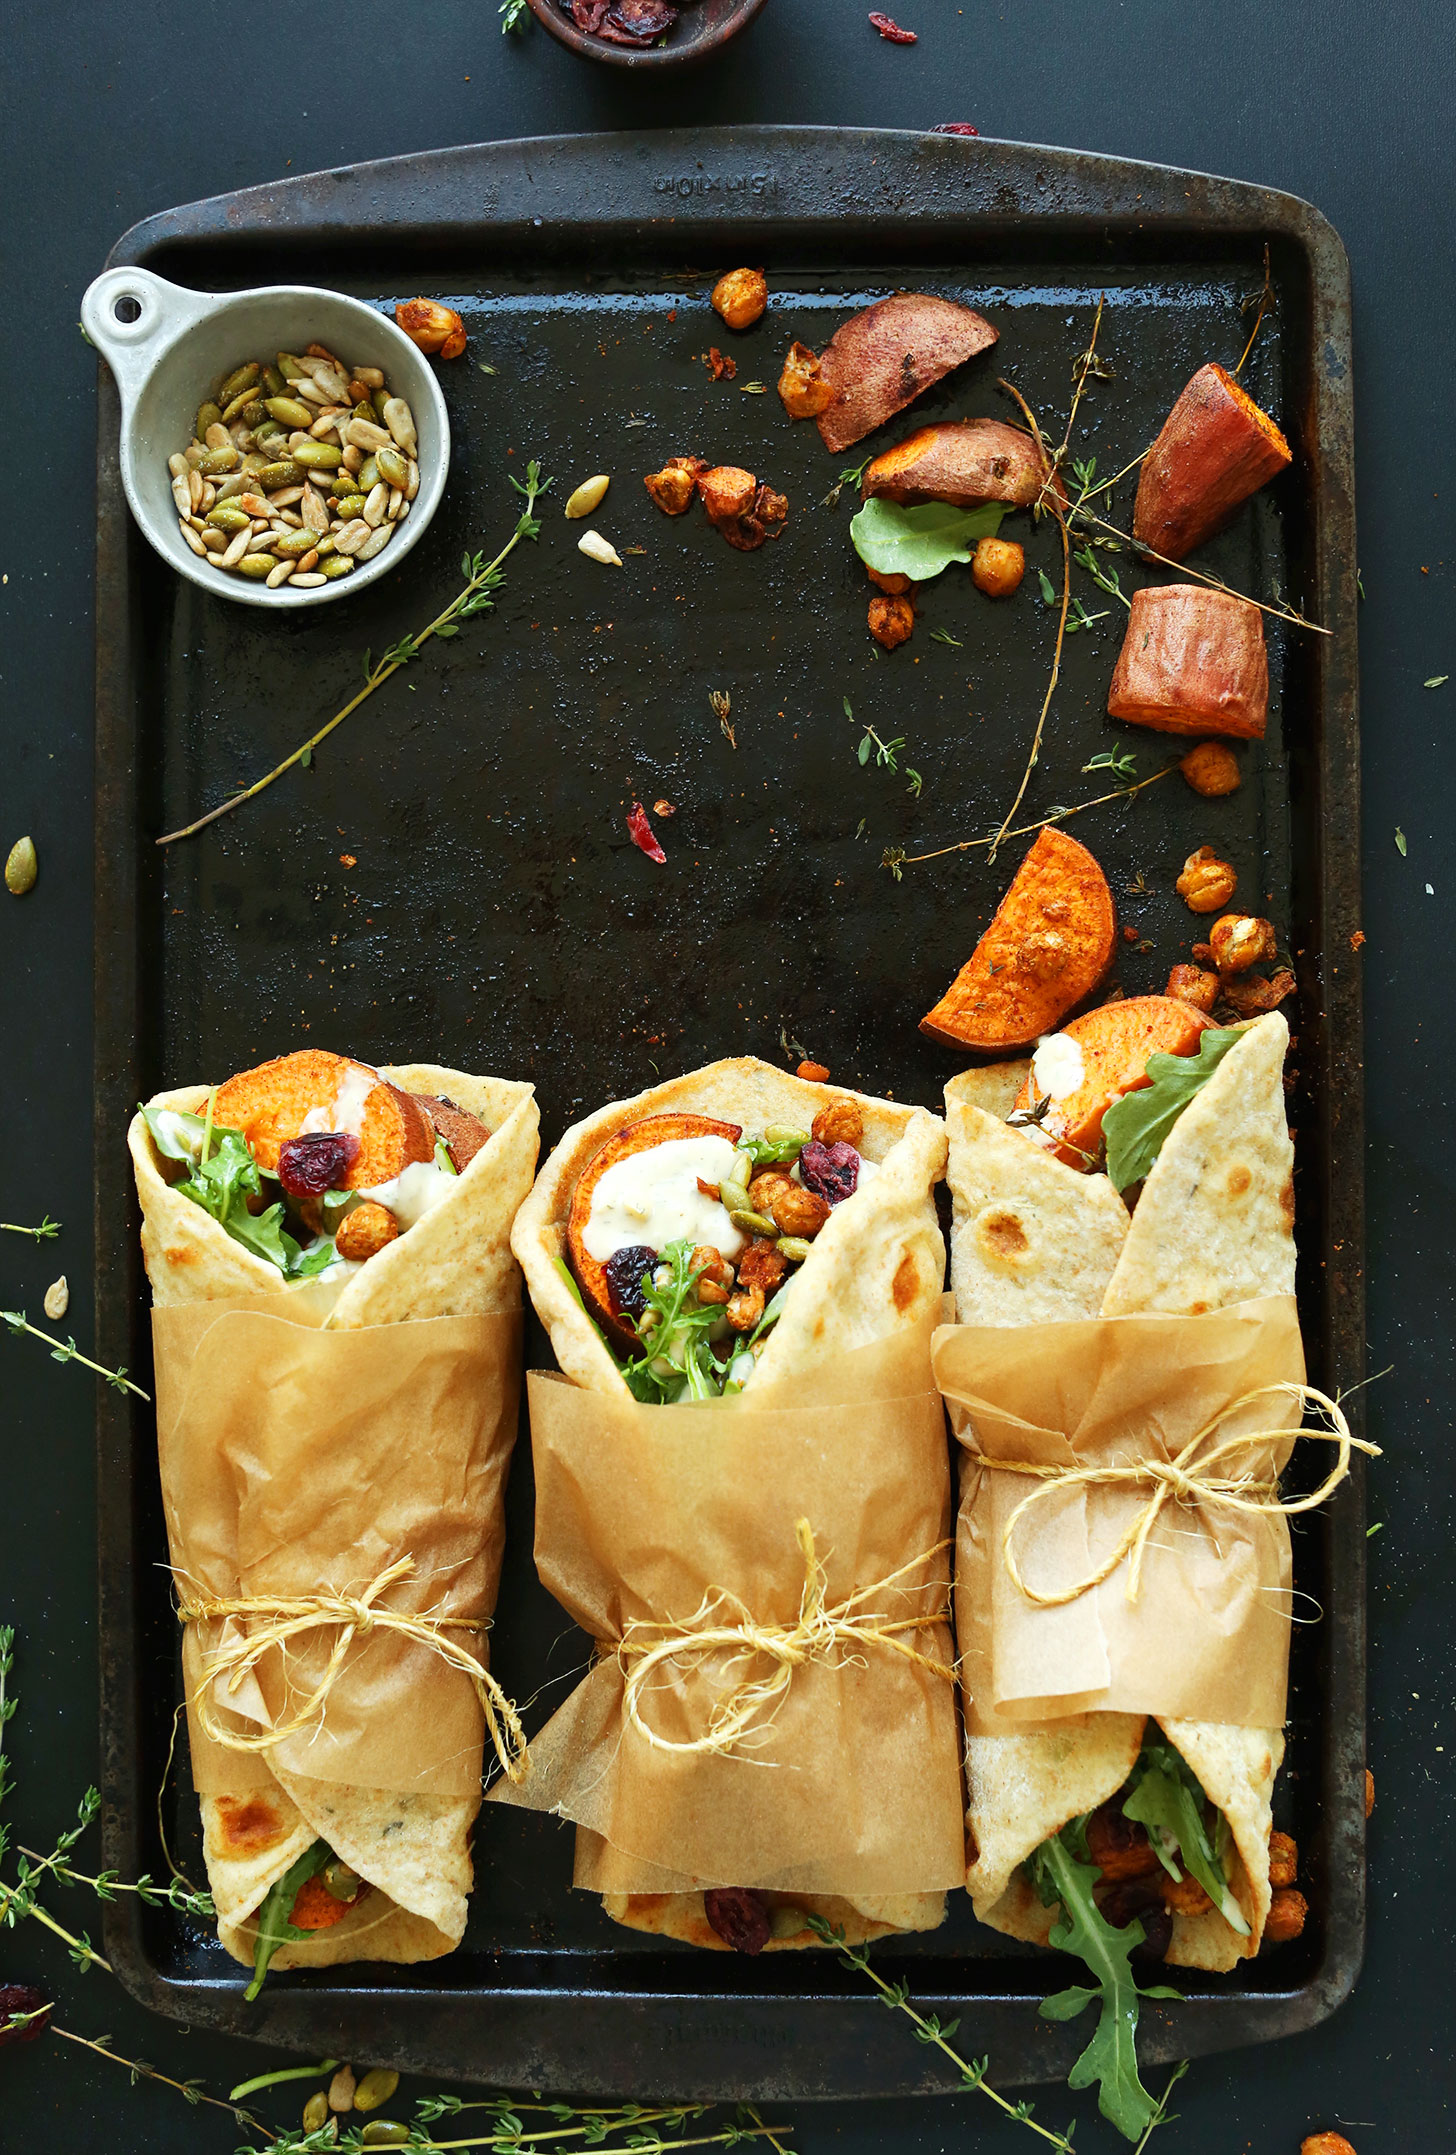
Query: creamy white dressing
(347, 1112)
(179, 1130)
(652, 1197)
(416, 1190)
(1058, 1066)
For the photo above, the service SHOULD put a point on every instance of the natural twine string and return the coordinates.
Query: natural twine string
(275, 1620)
(818, 1634)
(1182, 1479)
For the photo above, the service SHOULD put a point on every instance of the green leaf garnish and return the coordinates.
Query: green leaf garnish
(223, 1176)
(1135, 1126)
(274, 1928)
(1168, 1799)
(676, 1362)
(922, 541)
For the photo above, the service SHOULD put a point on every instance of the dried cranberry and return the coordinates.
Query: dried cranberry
(642, 834)
(643, 19)
(955, 127)
(739, 1916)
(625, 1270)
(588, 15)
(1137, 1900)
(17, 1998)
(307, 1166)
(892, 30)
(831, 1171)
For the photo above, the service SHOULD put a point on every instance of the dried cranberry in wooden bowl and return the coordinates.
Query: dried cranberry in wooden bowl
(701, 27)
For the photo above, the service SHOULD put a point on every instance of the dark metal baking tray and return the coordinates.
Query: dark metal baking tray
(497, 918)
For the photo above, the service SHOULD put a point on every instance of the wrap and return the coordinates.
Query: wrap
(1036, 1242)
(647, 1513)
(309, 1435)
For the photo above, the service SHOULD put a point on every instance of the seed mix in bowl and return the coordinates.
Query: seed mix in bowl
(297, 470)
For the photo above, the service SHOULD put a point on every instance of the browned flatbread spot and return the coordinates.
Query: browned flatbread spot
(1286, 1201)
(906, 1283)
(1239, 1179)
(1001, 1234)
(249, 1825)
(181, 1254)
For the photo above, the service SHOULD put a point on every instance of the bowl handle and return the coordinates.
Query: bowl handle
(153, 314)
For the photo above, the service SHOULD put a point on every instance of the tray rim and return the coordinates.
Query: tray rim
(439, 2030)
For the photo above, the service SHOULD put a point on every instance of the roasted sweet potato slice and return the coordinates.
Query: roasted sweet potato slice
(1046, 950)
(965, 462)
(1115, 1041)
(1192, 661)
(879, 361)
(591, 1276)
(326, 1092)
(1216, 448)
(464, 1134)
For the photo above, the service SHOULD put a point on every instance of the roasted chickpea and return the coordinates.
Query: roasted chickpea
(433, 327)
(841, 1123)
(797, 1211)
(1251, 994)
(762, 1266)
(1285, 1919)
(803, 390)
(1190, 984)
(896, 586)
(1212, 769)
(1239, 940)
(1325, 2144)
(765, 1187)
(1185, 1896)
(813, 1073)
(746, 1308)
(741, 297)
(1283, 1860)
(364, 1232)
(727, 492)
(997, 567)
(891, 621)
(673, 487)
(1206, 882)
(715, 1274)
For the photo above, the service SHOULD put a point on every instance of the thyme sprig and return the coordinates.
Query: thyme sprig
(1052, 498)
(66, 1350)
(1122, 762)
(482, 579)
(897, 860)
(628, 2131)
(46, 1231)
(936, 2033)
(192, 2090)
(851, 476)
(885, 752)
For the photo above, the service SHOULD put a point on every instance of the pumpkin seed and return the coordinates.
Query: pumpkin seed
(754, 1223)
(219, 460)
(258, 567)
(779, 1133)
(238, 408)
(226, 518)
(588, 495)
(316, 2112)
(296, 545)
(795, 1248)
(368, 475)
(289, 412)
(241, 378)
(289, 367)
(393, 468)
(208, 415)
(21, 867)
(376, 2088)
(385, 2133)
(318, 456)
(335, 566)
(284, 473)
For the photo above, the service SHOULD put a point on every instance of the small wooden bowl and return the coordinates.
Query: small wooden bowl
(703, 27)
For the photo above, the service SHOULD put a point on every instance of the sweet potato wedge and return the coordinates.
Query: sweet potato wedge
(328, 1092)
(1216, 448)
(463, 1134)
(879, 361)
(1192, 661)
(1116, 1041)
(591, 1276)
(1046, 950)
(964, 461)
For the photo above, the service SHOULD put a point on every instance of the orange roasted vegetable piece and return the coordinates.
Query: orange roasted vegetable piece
(879, 361)
(965, 462)
(270, 1105)
(1049, 945)
(1116, 1041)
(591, 1277)
(1216, 448)
(803, 390)
(1192, 661)
(432, 326)
(316, 1909)
(673, 487)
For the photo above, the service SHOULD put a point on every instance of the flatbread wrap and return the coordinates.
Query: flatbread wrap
(739, 1271)
(336, 1324)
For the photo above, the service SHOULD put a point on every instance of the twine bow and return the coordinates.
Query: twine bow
(1184, 1478)
(276, 1620)
(818, 1634)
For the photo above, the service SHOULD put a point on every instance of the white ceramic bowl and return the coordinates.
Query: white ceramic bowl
(167, 358)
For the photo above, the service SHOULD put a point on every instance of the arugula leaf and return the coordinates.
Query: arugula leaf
(773, 1150)
(1135, 1126)
(676, 1362)
(922, 541)
(223, 1181)
(1110, 2059)
(570, 1278)
(274, 1928)
(1168, 1799)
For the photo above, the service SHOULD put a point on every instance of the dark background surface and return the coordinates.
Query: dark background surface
(110, 118)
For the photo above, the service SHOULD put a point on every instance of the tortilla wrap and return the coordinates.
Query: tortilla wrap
(1213, 1226)
(876, 1269)
(411, 1845)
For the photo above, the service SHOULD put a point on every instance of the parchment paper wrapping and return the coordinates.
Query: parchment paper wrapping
(306, 1438)
(856, 1790)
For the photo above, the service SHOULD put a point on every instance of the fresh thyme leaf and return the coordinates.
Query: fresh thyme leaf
(1436, 680)
(916, 781)
(274, 1928)
(1136, 1125)
(942, 636)
(1400, 841)
(850, 476)
(46, 1231)
(514, 15)
(1048, 589)
(1122, 762)
(1168, 1799)
(794, 1048)
(920, 542)
(1106, 579)
(480, 362)
(893, 858)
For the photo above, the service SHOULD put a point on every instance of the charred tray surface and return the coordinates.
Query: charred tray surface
(494, 914)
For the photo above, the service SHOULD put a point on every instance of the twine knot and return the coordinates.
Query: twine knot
(1184, 1479)
(723, 1624)
(275, 1620)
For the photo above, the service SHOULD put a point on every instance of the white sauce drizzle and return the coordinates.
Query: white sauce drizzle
(416, 1190)
(652, 1197)
(1058, 1066)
